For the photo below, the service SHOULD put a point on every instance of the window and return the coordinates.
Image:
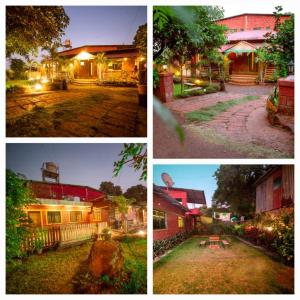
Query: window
(75, 216)
(115, 65)
(242, 29)
(233, 30)
(159, 219)
(277, 183)
(82, 63)
(53, 217)
(179, 200)
(268, 28)
(180, 222)
(97, 214)
(257, 28)
(35, 217)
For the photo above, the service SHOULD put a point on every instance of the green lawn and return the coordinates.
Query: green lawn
(54, 271)
(239, 269)
(208, 113)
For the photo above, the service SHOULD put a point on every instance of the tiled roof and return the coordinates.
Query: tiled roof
(249, 35)
(93, 49)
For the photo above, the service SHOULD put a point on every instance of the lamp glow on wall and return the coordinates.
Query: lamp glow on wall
(83, 55)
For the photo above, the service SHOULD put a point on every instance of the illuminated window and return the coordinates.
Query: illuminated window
(180, 222)
(75, 216)
(97, 214)
(82, 63)
(115, 65)
(159, 219)
(53, 217)
(35, 217)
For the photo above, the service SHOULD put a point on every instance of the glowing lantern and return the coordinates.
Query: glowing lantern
(38, 87)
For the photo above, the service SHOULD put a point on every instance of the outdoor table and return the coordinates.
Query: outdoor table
(213, 240)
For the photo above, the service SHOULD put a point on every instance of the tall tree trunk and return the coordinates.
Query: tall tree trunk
(181, 77)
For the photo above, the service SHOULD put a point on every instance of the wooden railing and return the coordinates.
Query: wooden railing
(62, 235)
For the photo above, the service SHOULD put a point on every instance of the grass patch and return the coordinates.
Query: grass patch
(250, 150)
(206, 89)
(239, 269)
(53, 272)
(208, 113)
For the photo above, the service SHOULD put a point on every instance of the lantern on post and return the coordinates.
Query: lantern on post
(291, 67)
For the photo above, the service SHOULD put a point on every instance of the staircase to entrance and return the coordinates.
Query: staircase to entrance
(243, 79)
(81, 81)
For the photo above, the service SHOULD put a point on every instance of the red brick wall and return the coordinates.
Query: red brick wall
(172, 213)
(249, 22)
(178, 194)
(286, 95)
(165, 87)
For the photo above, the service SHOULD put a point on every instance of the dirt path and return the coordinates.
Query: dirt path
(241, 131)
(80, 111)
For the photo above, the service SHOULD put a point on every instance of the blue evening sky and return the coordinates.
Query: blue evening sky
(101, 25)
(199, 177)
(83, 164)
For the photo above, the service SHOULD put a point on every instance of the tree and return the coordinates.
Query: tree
(110, 189)
(31, 27)
(280, 45)
(236, 187)
(137, 192)
(123, 204)
(134, 155)
(186, 31)
(17, 65)
(140, 39)
(101, 61)
(17, 197)
(52, 49)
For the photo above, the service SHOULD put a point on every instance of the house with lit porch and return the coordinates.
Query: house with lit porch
(246, 33)
(119, 63)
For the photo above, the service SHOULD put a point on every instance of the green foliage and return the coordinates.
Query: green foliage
(219, 228)
(31, 27)
(161, 246)
(155, 78)
(136, 156)
(209, 113)
(105, 234)
(279, 48)
(137, 192)
(110, 189)
(236, 187)
(18, 67)
(140, 39)
(17, 197)
(167, 117)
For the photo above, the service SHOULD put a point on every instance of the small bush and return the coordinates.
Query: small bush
(161, 246)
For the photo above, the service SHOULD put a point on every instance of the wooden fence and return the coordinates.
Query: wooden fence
(52, 237)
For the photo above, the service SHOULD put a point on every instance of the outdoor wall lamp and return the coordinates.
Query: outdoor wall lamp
(291, 67)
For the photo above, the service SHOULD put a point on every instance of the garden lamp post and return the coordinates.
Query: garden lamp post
(291, 67)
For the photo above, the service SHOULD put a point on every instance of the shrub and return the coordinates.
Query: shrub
(161, 246)
(215, 228)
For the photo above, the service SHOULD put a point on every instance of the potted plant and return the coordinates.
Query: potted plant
(39, 245)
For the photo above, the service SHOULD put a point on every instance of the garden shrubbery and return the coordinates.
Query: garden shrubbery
(219, 228)
(161, 246)
(273, 232)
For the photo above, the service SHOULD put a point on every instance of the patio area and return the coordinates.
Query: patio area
(235, 269)
(81, 111)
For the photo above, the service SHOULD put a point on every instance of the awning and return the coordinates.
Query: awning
(241, 47)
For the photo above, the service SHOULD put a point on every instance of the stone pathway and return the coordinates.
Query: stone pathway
(241, 131)
(81, 111)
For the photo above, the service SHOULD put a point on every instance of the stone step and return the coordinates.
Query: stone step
(85, 81)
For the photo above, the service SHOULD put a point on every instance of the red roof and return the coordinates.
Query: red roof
(93, 49)
(249, 35)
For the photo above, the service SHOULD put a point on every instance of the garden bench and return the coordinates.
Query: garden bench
(202, 243)
(225, 243)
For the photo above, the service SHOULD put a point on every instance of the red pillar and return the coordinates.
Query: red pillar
(286, 95)
(166, 87)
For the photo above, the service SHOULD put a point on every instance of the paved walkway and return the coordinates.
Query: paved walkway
(241, 131)
(80, 111)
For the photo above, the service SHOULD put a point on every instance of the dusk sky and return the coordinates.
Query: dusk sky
(82, 164)
(199, 177)
(103, 25)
